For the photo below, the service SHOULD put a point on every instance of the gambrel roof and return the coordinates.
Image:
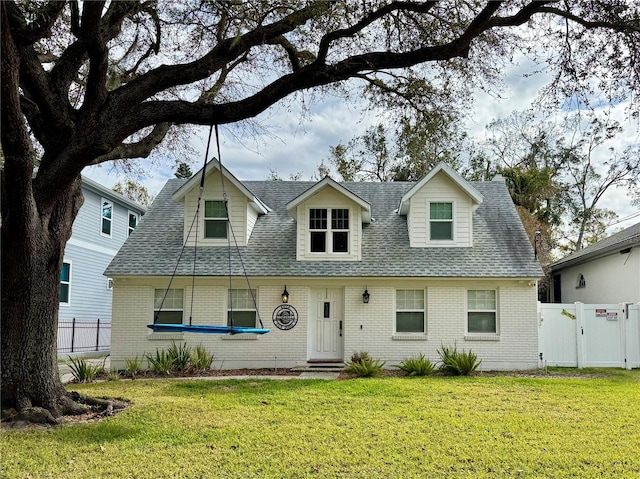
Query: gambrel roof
(500, 245)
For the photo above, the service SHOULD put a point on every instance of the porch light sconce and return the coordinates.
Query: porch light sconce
(365, 295)
(285, 295)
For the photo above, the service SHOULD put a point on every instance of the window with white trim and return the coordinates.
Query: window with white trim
(171, 311)
(325, 236)
(242, 308)
(107, 217)
(410, 311)
(133, 222)
(65, 283)
(215, 219)
(441, 221)
(482, 313)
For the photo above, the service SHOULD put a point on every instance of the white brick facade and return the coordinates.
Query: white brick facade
(366, 327)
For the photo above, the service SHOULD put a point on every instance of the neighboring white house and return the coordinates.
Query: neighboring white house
(394, 269)
(605, 272)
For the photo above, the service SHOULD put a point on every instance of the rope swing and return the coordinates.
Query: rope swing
(210, 329)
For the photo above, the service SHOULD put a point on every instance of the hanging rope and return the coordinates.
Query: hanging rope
(230, 329)
(235, 241)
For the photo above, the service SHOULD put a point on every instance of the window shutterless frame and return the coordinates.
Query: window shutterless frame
(132, 222)
(441, 220)
(106, 217)
(482, 311)
(173, 309)
(410, 311)
(65, 284)
(215, 219)
(241, 308)
(329, 230)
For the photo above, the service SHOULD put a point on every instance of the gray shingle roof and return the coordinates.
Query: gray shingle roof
(621, 240)
(501, 247)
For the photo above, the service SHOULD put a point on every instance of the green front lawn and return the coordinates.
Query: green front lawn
(389, 427)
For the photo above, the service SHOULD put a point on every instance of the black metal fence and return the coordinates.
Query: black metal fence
(77, 336)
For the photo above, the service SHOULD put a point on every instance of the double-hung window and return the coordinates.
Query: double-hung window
(441, 221)
(482, 311)
(242, 308)
(65, 283)
(215, 219)
(107, 217)
(171, 311)
(329, 236)
(133, 222)
(410, 311)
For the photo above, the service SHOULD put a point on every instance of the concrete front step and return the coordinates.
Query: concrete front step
(320, 367)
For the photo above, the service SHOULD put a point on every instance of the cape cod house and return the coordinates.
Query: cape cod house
(394, 269)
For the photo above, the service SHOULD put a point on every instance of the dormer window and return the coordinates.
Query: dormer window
(441, 221)
(215, 219)
(328, 236)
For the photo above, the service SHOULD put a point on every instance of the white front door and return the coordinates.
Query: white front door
(326, 325)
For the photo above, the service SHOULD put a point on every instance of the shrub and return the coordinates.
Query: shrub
(458, 363)
(365, 366)
(417, 366)
(180, 356)
(161, 363)
(359, 357)
(113, 375)
(133, 366)
(201, 359)
(82, 371)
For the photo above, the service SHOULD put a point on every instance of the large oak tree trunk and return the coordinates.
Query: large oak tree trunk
(32, 252)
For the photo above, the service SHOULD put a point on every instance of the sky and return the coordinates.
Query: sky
(297, 141)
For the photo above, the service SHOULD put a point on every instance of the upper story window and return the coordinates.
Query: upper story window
(65, 283)
(441, 221)
(107, 217)
(329, 237)
(133, 222)
(215, 219)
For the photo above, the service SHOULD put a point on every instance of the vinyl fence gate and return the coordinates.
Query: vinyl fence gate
(589, 335)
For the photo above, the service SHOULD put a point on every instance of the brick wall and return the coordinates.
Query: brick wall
(367, 327)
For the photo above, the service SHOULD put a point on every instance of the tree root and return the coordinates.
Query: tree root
(68, 404)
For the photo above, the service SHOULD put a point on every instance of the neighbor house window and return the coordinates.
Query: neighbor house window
(171, 311)
(410, 311)
(65, 283)
(242, 308)
(215, 219)
(441, 221)
(107, 217)
(133, 222)
(581, 282)
(481, 311)
(329, 236)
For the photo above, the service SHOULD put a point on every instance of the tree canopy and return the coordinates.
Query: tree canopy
(84, 83)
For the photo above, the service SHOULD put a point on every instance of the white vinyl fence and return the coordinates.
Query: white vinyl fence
(589, 335)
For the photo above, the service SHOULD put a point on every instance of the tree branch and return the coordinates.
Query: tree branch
(368, 20)
(615, 26)
(29, 33)
(224, 52)
(139, 149)
(91, 35)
